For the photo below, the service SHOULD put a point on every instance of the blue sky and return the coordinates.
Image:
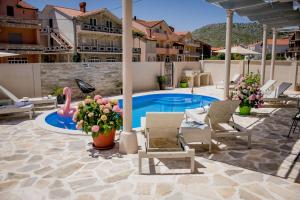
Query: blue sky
(184, 15)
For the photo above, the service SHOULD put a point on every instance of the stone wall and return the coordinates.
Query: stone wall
(103, 76)
(35, 80)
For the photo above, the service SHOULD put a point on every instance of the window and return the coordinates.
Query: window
(10, 11)
(136, 58)
(51, 23)
(108, 24)
(17, 60)
(15, 38)
(93, 22)
(167, 59)
(51, 42)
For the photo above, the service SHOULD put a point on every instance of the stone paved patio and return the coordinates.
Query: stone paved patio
(36, 164)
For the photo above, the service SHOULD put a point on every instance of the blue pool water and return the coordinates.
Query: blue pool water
(146, 103)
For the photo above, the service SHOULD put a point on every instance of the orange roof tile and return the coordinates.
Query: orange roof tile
(181, 33)
(69, 11)
(26, 5)
(148, 24)
(284, 41)
(216, 48)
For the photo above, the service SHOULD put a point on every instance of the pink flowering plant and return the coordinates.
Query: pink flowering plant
(98, 116)
(247, 91)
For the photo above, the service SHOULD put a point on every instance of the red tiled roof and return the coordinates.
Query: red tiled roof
(148, 24)
(76, 13)
(216, 48)
(284, 41)
(68, 11)
(182, 33)
(26, 5)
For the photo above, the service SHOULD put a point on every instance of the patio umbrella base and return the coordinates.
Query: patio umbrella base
(128, 143)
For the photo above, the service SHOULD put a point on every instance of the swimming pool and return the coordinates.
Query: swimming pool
(146, 103)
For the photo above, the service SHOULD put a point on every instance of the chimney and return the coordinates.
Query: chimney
(82, 6)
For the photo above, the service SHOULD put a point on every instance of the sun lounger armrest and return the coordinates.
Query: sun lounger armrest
(238, 127)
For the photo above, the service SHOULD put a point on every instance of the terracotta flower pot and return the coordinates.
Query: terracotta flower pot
(105, 141)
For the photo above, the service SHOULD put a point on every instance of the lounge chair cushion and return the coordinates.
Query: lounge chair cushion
(165, 144)
(195, 114)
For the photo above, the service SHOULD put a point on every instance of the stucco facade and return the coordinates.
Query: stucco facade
(95, 36)
(20, 31)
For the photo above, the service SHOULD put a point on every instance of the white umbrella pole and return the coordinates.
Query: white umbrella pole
(228, 53)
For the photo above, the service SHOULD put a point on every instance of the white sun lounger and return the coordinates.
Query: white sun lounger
(8, 109)
(36, 101)
(218, 117)
(163, 139)
(268, 87)
(278, 96)
(233, 81)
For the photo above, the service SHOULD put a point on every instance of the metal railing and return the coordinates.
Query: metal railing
(55, 49)
(108, 49)
(136, 50)
(100, 28)
(90, 48)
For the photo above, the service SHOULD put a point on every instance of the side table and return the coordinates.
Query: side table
(194, 132)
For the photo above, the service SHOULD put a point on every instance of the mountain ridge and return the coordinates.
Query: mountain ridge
(242, 34)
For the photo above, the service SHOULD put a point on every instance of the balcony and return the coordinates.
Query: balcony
(104, 49)
(19, 23)
(55, 49)
(294, 49)
(102, 29)
(99, 49)
(167, 51)
(21, 48)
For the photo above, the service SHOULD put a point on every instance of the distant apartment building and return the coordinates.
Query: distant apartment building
(193, 50)
(163, 44)
(19, 32)
(89, 36)
(294, 45)
(160, 38)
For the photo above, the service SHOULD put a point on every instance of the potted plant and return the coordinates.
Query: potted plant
(248, 93)
(101, 118)
(184, 82)
(58, 92)
(162, 81)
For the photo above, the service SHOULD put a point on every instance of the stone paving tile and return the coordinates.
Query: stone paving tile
(36, 164)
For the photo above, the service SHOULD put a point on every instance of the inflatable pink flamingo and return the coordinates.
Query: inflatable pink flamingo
(67, 111)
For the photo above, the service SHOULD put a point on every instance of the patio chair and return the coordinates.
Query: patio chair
(9, 109)
(278, 96)
(219, 119)
(162, 138)
(84, 87)
(294, 125)
(233, 81)
(23, 101)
